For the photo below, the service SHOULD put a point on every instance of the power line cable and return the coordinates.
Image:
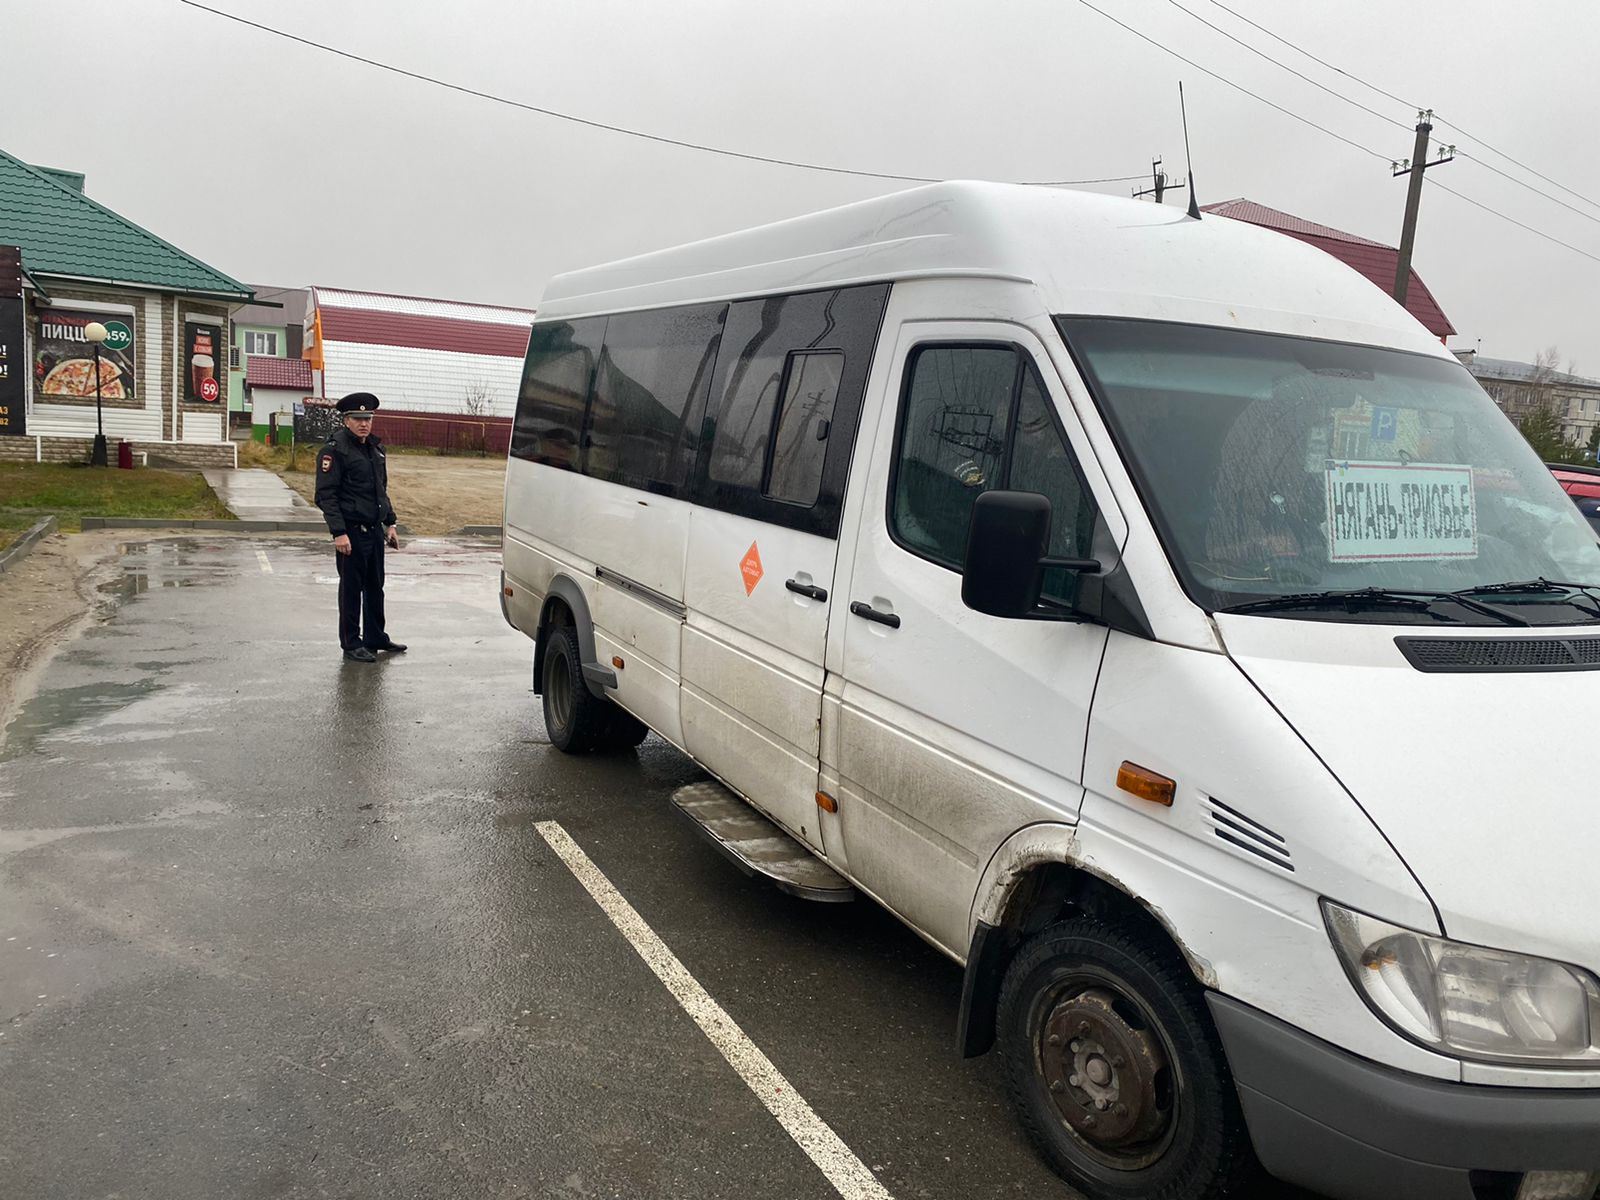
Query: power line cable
(1223, 79)
(1319, 61)
(1235, 86)
(1390, 95)
(1322, 129)
(1538, 232)
(1474, 159)
(667, 141)
(1285, 67)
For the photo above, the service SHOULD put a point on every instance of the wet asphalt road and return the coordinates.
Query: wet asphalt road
(273, 925)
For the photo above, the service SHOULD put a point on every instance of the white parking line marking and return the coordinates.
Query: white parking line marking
(261, 557)
(847, 1173)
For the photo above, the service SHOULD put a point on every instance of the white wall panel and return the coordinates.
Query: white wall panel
(60, 420)
(415, 380)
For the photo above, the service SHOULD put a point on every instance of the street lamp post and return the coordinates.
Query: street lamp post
(96, 333)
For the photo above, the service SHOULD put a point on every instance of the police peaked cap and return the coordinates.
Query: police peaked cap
(356, 403)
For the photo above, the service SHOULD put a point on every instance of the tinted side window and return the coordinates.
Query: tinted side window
(953, 427)
(773, 382)
(760, 333)
(556, 379)
(975, 418)
(650, 396)
(1041, 462)
(805, 420)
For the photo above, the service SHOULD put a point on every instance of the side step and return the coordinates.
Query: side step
(757, 846)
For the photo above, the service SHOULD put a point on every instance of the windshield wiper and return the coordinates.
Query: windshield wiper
(1543, 586)
(1418, 601)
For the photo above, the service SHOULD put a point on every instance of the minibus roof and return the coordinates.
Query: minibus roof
(1087, 254)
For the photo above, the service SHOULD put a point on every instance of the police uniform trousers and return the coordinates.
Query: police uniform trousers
(361, 588)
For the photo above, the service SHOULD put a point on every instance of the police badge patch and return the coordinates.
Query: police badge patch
(327, 462)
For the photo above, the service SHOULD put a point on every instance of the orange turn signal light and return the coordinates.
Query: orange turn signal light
(827, 803)
(508, 591)
(1146, 784)
(616, 661)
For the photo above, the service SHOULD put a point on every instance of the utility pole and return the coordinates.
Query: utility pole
(1160, 185)
(1414, 166)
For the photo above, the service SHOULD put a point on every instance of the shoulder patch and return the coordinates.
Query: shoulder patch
(327, 462)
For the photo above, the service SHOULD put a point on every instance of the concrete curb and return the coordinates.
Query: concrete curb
(317, 528)
(306, 527)
(478, 531)
(23, 546)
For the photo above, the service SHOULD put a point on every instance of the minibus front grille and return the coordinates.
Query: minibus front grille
(1242, 833)
(1440, 654)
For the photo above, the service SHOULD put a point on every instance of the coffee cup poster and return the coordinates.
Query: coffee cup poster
(63, 359)
(200, 380)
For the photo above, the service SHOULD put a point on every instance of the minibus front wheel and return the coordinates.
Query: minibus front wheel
(578, 721)
(1116, 1071)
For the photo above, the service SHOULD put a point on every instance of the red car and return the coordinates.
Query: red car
(1583, 485)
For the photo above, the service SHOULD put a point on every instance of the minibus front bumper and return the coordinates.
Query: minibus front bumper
(1353, 1130)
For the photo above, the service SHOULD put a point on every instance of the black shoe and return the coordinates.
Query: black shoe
(392, 647)
(360, 654)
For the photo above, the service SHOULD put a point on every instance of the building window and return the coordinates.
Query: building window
(256, 342)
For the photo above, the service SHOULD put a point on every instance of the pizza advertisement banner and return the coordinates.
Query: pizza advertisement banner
(201, 343)
(63, 359)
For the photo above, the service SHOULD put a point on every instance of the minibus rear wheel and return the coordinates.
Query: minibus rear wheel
(624, 731)
(1116, 1071)
(576, 719)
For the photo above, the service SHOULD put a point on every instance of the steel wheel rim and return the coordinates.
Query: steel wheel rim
(558, 689)
(1108, 1069)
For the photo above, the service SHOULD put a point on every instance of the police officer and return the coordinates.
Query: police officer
(353, 494)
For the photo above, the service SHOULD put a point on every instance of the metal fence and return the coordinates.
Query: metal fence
(443, 432)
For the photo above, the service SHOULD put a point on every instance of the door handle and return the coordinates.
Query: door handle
(862, 609)
(806, 589)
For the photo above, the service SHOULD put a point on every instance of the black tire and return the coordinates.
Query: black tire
(1115, 1068)
(574, 717)
(624, 731)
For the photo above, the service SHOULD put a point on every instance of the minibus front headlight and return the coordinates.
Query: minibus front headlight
(1468, 1000)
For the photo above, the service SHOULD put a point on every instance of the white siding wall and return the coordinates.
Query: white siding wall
(409, 379)
(265, 400)
(203, 427)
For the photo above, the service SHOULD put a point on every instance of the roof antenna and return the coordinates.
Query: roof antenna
(1194, 204)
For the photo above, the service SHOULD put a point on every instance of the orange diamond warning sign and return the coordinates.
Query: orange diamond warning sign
(750, 568)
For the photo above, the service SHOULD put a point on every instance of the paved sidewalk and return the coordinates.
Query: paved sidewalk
(259, 495)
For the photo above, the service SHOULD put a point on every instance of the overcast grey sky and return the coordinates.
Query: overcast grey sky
(281, 164)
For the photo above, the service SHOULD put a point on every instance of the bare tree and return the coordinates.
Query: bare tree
(1546, 366)
(1538, 391)
(477, 398)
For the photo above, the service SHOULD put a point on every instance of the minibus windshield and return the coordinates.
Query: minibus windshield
(1320, 480)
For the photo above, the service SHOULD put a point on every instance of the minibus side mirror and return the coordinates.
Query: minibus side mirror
(1007, 545)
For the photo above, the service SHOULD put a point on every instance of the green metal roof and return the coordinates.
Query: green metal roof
(63, 232)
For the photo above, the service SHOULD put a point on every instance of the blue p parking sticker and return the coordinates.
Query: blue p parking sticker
(1385, 422)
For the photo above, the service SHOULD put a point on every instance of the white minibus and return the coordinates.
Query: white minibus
(1149, 613)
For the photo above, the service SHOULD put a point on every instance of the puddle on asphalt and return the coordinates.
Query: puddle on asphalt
(147, 565)
(51, 712)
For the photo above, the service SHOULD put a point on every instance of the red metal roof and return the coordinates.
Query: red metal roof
(292, 374)
(423, 333)
(1373, 259)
